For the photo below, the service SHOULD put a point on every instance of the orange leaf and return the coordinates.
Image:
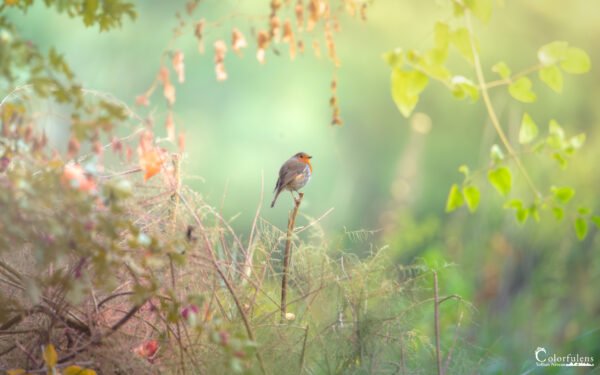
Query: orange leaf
(74, 176)
(150, 162)
(147, 349)
(142, 100)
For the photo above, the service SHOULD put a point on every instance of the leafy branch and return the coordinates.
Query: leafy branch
(412, 70)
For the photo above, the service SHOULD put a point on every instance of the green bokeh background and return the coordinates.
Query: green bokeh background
(533, 285)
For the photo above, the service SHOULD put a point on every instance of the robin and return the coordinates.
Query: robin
(293, 175)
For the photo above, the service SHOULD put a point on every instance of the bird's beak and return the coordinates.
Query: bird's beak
(310, 157)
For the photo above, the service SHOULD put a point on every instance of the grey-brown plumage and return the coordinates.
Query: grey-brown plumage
(293, 174)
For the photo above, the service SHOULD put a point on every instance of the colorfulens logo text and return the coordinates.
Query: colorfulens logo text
(543, 358)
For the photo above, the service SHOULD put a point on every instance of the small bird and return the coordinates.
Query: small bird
(293, 175)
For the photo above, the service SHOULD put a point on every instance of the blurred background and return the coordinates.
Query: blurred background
(386, 177)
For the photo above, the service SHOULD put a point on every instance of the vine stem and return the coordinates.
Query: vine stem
(492, 112)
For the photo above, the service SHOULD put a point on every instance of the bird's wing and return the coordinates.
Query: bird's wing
(289, 171)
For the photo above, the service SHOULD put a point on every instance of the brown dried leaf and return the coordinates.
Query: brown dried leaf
(181, 142)
(275, 28)
(170, 126)
(263, 44)
(363, 11)
(316, 48)
(299, 15)
(168, 88)
(220, 50)
(199, 34)
(288, 37)
(179, 66)
(238, 41)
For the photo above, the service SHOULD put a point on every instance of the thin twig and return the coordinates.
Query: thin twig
(449, 356)
(436, 317)
(250, 248)
(315, 221)
(288, 254)
(303, 350)
(492, 112)
(226, 281)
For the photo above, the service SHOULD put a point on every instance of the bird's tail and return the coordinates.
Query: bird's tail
(275, 198)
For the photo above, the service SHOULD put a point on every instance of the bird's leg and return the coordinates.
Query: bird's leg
(294, 197)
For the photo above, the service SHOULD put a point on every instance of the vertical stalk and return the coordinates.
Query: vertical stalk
(288, 254)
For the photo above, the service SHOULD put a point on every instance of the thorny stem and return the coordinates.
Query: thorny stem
(288, 254)
(492, 113)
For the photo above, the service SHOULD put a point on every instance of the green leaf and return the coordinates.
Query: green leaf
(515, 204)
(554, 128)
(522, 214)
(455, 199)
(521, 90)
(558, 213)
(576, 61)
(464, 170)
(596, 221)
(464, 87)
(581, 228)
(406, 87)
(502, 69)
(482, 9)
(552, 76)
(577, 141)
(556, 136)
(534, 212)
(501, 179)
(441, 35)
(89, 11)
(528, 130)
(458, 8)
(394, 58)
(560, 159)
(471, 194)
(496, 153)
(563, 194)
(461, 39)
(584, 211)
(552, 53)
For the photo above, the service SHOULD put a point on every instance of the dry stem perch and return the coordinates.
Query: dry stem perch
(288, 253)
